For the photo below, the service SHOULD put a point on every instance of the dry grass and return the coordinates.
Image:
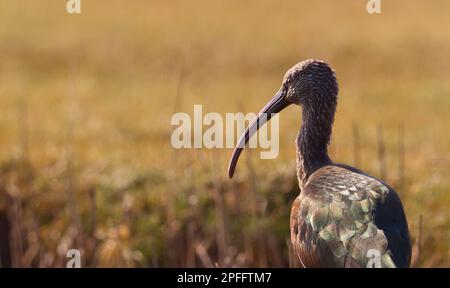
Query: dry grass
(86, 102)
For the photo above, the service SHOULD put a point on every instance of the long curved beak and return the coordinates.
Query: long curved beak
(275, 105)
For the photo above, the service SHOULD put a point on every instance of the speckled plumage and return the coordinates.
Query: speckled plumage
(341, 215)
(333, 221)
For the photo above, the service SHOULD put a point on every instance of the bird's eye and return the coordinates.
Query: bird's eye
(290, 92)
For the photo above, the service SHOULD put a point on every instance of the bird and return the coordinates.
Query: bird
(343, 217)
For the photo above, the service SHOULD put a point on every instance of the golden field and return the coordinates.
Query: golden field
(85, 155)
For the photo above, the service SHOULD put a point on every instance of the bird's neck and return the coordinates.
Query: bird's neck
(312, 141)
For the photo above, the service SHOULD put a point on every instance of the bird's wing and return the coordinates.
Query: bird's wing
(332, 221)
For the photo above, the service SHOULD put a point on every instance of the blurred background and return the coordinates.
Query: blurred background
(85, 155)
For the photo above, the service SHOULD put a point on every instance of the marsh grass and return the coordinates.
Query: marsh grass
(86, 160)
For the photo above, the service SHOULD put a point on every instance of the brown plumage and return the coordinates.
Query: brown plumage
(342, 217)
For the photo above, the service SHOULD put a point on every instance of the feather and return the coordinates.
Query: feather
(386, 261)
(319, 218)
(371, 231)
(344, 192)
(355, 197)
(336, 211)
(365, 206)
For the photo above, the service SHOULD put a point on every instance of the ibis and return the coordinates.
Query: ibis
(342, 217)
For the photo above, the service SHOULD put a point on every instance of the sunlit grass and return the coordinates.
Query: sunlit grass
(96, 91)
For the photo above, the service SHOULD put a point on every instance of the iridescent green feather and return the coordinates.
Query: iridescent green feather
(341, 216)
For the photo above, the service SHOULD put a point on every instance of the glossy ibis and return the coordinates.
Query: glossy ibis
(342, 217)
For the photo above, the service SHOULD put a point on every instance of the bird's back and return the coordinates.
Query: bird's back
(344, 218)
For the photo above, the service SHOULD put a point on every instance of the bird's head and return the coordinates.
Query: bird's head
(310, 83)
